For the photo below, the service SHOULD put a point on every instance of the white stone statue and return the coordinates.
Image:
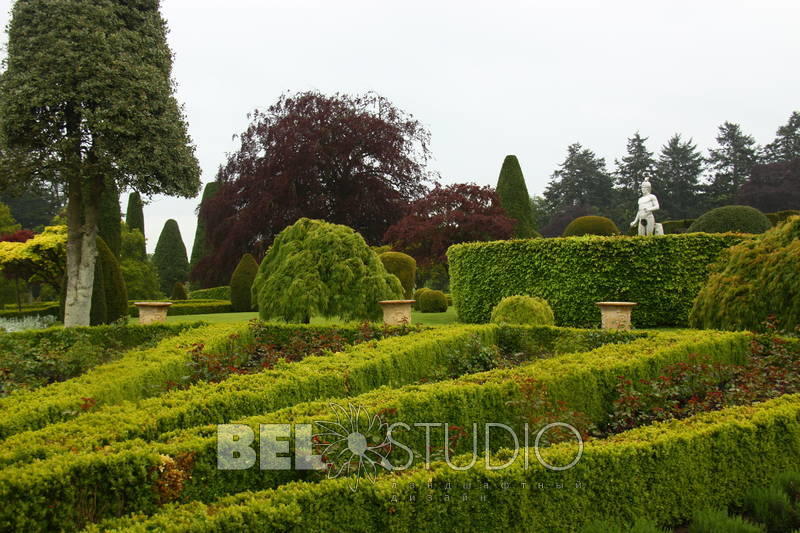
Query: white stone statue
(648, 204)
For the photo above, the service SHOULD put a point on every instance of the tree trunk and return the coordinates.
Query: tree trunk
(81, 253)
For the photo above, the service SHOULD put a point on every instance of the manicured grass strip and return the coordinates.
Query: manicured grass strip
(664, 472)
(136, 375)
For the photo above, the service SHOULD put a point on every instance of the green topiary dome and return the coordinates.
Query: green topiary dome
(733, 218)
(404, 267)
(431, 301)
(753, 280)
(528, 310)
(591, 225)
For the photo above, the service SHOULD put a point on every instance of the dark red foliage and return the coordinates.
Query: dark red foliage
(772, 187)
(23, 235)
(463, 212)
(352, 160)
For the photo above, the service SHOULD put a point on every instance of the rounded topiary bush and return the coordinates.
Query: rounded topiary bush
(431, 301)
(179, 291)
(404, 267)
(416, 297)
(733, 218)
(528, 310)
(242, 284)
(753, 281)
(591, 225)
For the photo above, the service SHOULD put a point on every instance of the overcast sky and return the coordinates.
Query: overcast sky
(488, 78)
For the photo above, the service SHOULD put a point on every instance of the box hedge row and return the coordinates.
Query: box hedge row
(585, 381)
(664, 472)
(214, 293)
(662, 274)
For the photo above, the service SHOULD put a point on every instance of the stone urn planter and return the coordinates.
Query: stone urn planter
(396, 312)
(616, 315)
(152, 312)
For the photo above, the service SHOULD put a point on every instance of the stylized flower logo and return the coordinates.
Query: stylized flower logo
(355, 445)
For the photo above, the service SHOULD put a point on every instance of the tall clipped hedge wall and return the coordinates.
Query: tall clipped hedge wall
(662, 274)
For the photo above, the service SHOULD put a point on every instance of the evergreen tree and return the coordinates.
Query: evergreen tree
(731, 163)
(109, 222)
(581, 180)
(632, 170)
(86, 97)
(140, 276)
(134, 216)
(110, 296)
(170, 258)
(242, 283)
(513, 195)
(676, 181)
(199, 250)
(786, 145)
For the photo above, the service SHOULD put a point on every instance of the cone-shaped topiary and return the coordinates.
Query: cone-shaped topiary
(199, 250)
(528, 310)
(752, 281)
(179, 292)
(591, 225)
(735, 218)
(109, 296)
(315, 268)
(170, 258)
(242, 284)
(109, 221)
(431, 301)
(134, 219)
(404, 267)
(513, 194)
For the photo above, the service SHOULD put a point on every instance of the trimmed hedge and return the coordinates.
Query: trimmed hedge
(676, 226)
(431, 301)
(733, 218)
(191, 307)
(591, 225)
(215, 293)
(643, 472)
(404, 267)
(44, 309)
(662, 274)
(781, 216)
(523, 310)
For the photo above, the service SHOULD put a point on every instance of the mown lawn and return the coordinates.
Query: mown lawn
(428, 319)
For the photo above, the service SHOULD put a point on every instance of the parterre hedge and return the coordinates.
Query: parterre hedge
(662, 274)
(665, 472)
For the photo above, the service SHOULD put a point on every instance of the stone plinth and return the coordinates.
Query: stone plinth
(152, 312)
(396, 312)
(616, 315)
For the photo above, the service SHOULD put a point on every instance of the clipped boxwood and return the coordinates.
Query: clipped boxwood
(214, 293)
(404, 267)
(417, 295)
(662, 274)
(523, 310)
(753, 281)
(733, 218)
(431, 301)
(591, 225)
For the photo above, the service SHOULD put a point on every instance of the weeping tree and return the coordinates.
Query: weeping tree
(87, 98)
(315, 268)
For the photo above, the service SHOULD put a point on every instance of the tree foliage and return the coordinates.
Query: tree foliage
(786, 145)
(731, 163)
(677, 179)
(36, 258)
(7, 223)
(87, 97)
(35, 205)
(751, 281)
(134, 218)
(449, 215)
(772, 187)
(170, 257)
(315, 268)
(353, 160)
(179, 292)
(581, 179)
(199, 248)
(513, 195)
(634, 168)
(242, 283)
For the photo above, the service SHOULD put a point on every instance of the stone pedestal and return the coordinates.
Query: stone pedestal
(396, 312)
(616, 315)
(152, 312)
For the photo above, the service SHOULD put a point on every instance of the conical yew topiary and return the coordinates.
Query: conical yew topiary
(170, 258)
(242, 283)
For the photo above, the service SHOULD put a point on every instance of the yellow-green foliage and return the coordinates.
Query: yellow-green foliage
(643, 472)
(753, 280)
(523, 310)
(404, 267)
(431, 301)
(661, 274)
(591, 225)
(315, 268)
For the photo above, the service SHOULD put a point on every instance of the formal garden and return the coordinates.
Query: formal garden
(351, 345)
